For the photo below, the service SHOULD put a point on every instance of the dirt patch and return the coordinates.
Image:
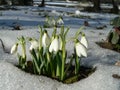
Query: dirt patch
(70, 77)
(108, 45)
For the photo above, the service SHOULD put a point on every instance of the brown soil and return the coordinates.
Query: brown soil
(116, 76)
(83, 73)
(111, 47)
(108, 45)
(70, 77)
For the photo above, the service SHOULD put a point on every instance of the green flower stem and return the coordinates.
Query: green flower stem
(23, 54)
(77, 65)
(58, 70)
(47, 62)
(37, 70)
(63, 37)
(52, 67)
(40, 56)
(23, 51)
(40, 38)
(63, 66)
(70, 64)
(63, 61)
(33, 54)
(54, 32)
(78, 32)
(22, 58)
(41, 59)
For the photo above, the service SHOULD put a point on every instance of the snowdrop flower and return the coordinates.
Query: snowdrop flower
(53, 22)
(60, 21)
(77, 12)
(47, 19)
(14, 48)
(80, 49)
(84, 41)
(54, 46)
(34, 44)
(45, 39)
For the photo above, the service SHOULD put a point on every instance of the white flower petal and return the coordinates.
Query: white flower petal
(81, 50)
(54, 46)
(60, 21)
(31, 47)
(53, 22)
(45, 40)
(84, 41)
(14, 48)
(34, 44)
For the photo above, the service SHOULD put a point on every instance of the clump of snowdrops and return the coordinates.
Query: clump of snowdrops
(53, 22)
(49, 53)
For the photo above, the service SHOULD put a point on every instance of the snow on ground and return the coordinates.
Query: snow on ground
(12, 78)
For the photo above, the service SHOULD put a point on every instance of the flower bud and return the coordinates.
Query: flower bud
(80, 49)
(45, 39)
(34, 44)
(14, 48)
(54, 46)
(60, 21)
(84, 41)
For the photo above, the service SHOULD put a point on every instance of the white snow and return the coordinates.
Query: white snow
(12, 78)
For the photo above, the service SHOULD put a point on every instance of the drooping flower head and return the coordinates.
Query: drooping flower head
(80, 49)
(54, 46)
(47, 19)
(14, 48)
(45, 39)
(53, 22)
(60, 21)
(84, 40)
(34, 44)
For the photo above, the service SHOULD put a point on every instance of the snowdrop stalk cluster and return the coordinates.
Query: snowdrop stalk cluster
(51, 21)
(49, 53)
(80, 49)
(22, 58)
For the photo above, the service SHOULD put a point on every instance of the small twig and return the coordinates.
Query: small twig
(3, 46)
